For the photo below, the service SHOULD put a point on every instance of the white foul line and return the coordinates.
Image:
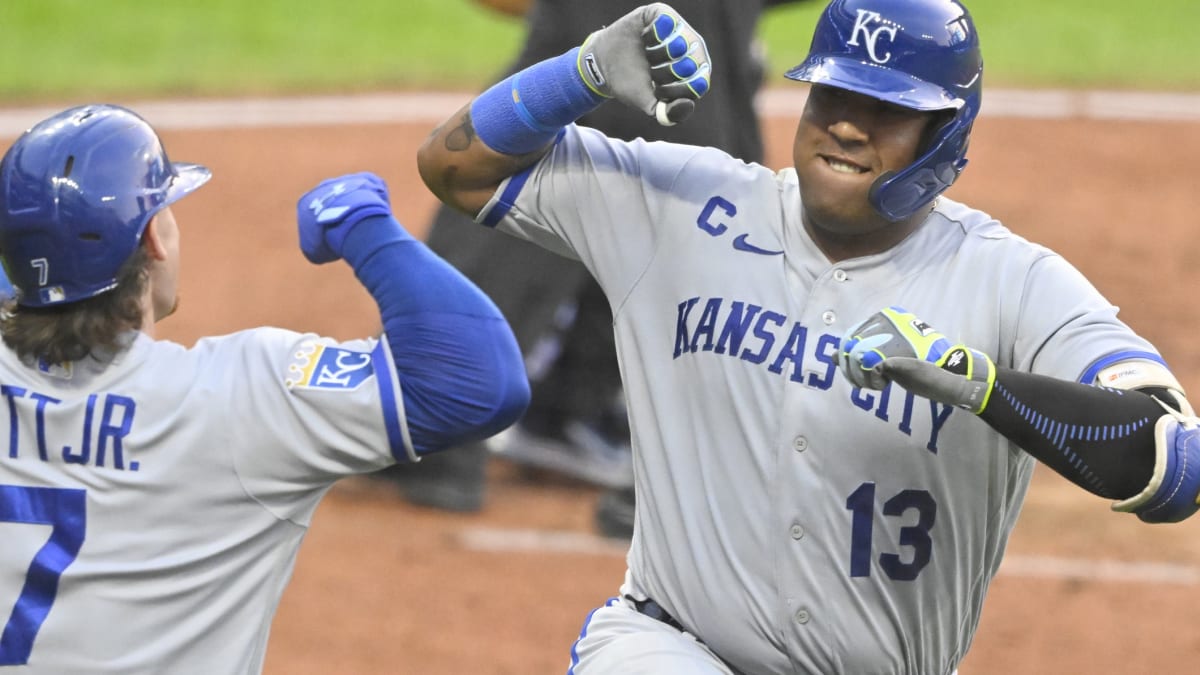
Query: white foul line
(431, 108)
(500, 540)
(1050, 567)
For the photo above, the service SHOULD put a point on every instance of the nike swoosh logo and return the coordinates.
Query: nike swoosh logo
(331, 214)
(740, 244)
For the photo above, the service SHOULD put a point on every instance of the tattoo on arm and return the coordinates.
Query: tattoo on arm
(461, 137)
(464, 164)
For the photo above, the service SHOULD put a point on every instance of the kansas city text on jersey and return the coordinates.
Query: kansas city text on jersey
(96, 439)
(745, 331)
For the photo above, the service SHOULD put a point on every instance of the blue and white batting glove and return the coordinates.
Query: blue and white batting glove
(650, 59)
(327, 213)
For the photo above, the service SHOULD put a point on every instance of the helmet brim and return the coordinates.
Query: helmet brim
(876, 81)
(188, 177)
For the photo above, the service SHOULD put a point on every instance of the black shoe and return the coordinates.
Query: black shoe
(451, 480)
(614, 513)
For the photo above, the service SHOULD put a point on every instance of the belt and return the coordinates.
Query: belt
(655, 611)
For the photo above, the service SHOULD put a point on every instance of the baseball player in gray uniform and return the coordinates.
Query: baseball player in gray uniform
(153, 497)
(791, 519)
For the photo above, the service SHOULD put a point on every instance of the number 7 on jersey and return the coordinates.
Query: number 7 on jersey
(66, 512)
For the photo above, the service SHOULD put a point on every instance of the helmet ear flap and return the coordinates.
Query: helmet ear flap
(899, 194)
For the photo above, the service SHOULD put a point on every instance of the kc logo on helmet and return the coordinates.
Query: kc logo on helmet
(865, 26)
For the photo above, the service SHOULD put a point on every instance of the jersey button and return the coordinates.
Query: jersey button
(802, 616)
(828, 317)
(797, 531)
(800, 444)
(839, 275)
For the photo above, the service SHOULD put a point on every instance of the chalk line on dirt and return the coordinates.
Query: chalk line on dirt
(516, 540)
(502, 540)
(432, 107)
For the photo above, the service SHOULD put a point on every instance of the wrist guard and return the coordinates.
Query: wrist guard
(1173, 492)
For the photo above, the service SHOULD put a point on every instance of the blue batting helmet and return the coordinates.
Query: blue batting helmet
(76, 193)
(918, 54)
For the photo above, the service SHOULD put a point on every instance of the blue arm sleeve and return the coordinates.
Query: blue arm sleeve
(460, 369)
(527, 110)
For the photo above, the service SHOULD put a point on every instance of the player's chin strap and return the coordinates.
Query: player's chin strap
(1173, 492)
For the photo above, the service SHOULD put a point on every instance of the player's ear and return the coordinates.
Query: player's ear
(152, 240)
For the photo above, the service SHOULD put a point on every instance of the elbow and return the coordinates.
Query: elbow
(444, 177)
(429, 168)
(490, 411)
(511, 402)
(1160, 515)
(485, 394)
(510, 390)
(461, 170)
(1173, 493)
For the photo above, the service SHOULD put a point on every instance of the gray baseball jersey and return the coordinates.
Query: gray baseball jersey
(789, 521)
(183, 482)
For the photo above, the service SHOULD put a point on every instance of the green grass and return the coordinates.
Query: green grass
(53, 49)
(81, 47)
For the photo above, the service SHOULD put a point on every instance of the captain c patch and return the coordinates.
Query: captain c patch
(318, 366)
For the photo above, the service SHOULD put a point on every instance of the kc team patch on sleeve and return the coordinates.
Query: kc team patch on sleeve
(318, 366)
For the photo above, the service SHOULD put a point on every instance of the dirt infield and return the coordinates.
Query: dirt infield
(382, 587)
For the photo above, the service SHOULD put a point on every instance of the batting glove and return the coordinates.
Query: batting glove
(327, 213)
(894, 345)
(650, 59)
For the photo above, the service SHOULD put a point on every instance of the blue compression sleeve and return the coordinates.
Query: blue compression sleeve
(526, 111)
(462, 374)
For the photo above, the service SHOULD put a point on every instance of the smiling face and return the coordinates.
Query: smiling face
(845, 141)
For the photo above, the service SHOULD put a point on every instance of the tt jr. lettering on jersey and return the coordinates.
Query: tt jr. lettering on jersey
(98, 441)
(767, 338)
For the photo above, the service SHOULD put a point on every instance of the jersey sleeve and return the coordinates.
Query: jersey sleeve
(1067, 329)
(600, 200)
(302, 411)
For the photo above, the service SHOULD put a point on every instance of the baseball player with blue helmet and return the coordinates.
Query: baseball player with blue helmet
(825, 482)
(153, 497)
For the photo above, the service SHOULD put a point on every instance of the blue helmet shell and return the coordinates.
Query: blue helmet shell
(918, 54)
(77, 191)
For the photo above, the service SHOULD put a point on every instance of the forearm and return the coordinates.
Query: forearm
(650, 59)
(1100, 439)
(460, 169)
(504, 130)
(1118, 443)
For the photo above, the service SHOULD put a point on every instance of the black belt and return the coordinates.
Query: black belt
(655, 611)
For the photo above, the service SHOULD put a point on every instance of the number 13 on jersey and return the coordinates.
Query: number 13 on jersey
(65, 511)
(915, 537)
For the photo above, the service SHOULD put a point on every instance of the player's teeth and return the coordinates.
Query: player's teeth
(842, 167)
